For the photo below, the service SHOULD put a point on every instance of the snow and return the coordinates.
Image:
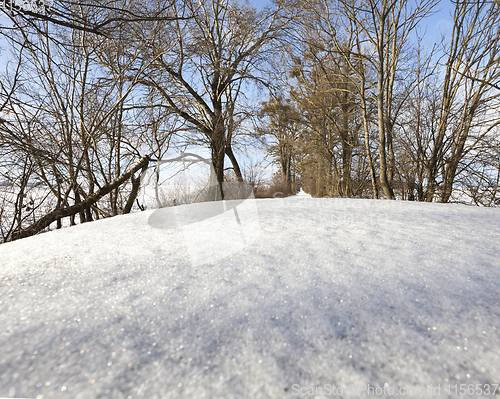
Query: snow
(301, 194)
(309, 295)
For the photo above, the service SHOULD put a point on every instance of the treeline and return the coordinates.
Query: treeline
(371, 109)
(357, 104)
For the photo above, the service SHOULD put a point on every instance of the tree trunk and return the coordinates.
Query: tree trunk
(45, 221)
(346, 186)
(234, 162)
(136, 185)
(215, 192)
(78, 200)
(384, 182)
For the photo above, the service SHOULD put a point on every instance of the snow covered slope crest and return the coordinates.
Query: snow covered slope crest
(277, 298)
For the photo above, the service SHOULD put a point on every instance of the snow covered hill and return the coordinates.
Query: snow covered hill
(306, 297)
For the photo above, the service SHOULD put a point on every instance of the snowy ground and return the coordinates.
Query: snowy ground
(313, 297)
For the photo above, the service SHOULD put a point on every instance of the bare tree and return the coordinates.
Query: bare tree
(374, 34)
(417, 129)
(60, 118)
(197, 65)
(469, 101)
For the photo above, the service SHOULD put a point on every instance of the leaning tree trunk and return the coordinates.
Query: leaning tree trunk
(73, 210)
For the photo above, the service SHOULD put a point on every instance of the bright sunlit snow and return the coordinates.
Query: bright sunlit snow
(301, 194)
(311, 293)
